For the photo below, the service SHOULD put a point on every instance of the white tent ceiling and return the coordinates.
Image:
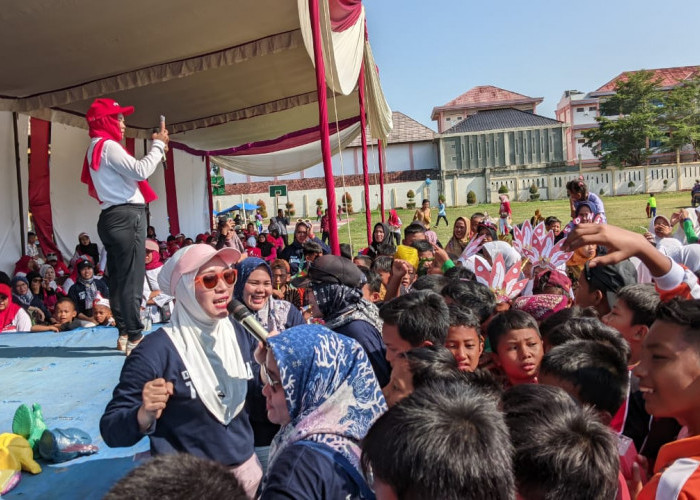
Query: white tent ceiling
(224, 73)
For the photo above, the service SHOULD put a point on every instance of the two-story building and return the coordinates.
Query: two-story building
(491, 137)
(579, 110)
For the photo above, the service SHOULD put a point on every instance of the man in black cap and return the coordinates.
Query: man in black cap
(335, 294)
(599, 285)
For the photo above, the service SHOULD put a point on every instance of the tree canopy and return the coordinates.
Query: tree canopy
(628, 120)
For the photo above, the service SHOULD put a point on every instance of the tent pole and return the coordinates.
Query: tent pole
(380, 152)
(20, 198)
(211, 196)
(365, 168)
(315, 17)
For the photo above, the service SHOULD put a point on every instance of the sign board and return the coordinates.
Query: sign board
(280, 190)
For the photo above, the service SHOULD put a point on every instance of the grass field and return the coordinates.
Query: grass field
(624, 211)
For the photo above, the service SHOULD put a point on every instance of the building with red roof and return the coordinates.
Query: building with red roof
(579, 110)
(481, 98)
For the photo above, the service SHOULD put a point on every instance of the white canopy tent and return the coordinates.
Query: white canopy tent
(223, 73)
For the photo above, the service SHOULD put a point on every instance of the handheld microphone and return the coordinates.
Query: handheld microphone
(251, 324)
(156, 130)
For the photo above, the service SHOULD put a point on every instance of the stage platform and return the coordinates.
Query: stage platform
(71, 375)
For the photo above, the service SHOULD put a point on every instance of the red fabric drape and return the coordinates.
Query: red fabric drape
(323, 123)
(344, 13)
(211, 196)
(365, 169)
(171, 194)
(380, 150)
(40, 185)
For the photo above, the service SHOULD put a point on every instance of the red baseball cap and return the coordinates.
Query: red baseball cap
(106, 107)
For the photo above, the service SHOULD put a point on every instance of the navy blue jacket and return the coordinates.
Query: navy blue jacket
(300, 472)
(371, 341)
(185, 425)
(77, 293)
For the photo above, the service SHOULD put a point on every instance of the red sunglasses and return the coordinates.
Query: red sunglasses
(209, 280)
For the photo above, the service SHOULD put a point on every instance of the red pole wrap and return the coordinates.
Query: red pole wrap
(40, 186)
(381, 175)
(365, 169)
(315, 17)
(171, 194)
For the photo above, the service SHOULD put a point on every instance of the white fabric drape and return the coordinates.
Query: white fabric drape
(192, 197)
(10, 223)
(73, 210)
(342, 50)
(288, 160)
(379, 114)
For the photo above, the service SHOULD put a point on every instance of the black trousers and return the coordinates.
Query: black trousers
(122, 229)
(441, 217)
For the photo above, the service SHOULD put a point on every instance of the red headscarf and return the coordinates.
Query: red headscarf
(155, 260)
(10, 311)
(107, 127)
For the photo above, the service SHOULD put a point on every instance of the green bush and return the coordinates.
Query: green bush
(534, 192)
(630, 184)
(442, 198)
(410, 194)
(503, 189)
(471, 198)
(347, 203)
(319, 202)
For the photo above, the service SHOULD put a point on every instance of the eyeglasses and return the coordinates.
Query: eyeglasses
(210, 280)
(37, 280)
(267, 380)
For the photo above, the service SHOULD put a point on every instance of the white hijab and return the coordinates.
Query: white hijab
(207, 346)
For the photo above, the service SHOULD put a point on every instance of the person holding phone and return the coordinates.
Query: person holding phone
(119, 182)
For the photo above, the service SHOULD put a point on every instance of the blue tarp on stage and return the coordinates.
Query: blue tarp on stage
(71, 375)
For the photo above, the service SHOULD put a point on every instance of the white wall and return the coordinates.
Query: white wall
(10, 223)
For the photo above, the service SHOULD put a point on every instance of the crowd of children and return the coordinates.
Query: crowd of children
(561, 363)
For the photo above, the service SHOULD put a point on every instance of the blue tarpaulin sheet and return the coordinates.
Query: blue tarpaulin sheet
(72, 376)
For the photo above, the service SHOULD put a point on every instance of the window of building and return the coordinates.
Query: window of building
(478, 151)
(488, 149)
(591, 108)
(581, 141)
(448, 119)
(471, 151)
(495, 147)
(580, 110)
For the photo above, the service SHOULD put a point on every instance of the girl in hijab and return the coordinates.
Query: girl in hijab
(267, 249)
(184, 385)
(12, 317)
(460, 238)
(320, 388)
(254, 289)
(22, 296)
(153, 300)
(380, 234)
(47, 297)
(86, 247)
(395, 226)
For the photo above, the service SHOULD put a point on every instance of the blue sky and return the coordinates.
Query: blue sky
(431, 51)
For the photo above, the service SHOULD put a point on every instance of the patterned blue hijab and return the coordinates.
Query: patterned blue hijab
(332, 393)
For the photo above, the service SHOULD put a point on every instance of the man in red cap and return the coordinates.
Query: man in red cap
(118, 181)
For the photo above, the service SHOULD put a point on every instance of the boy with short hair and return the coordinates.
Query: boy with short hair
(517, 346)
(669, 375)
(413, 320)
(373, 290)
(632, 315)
(598, 285)
(464, 338)
(65, 315)
(407, 453)
(382, 266)
(561, 450)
